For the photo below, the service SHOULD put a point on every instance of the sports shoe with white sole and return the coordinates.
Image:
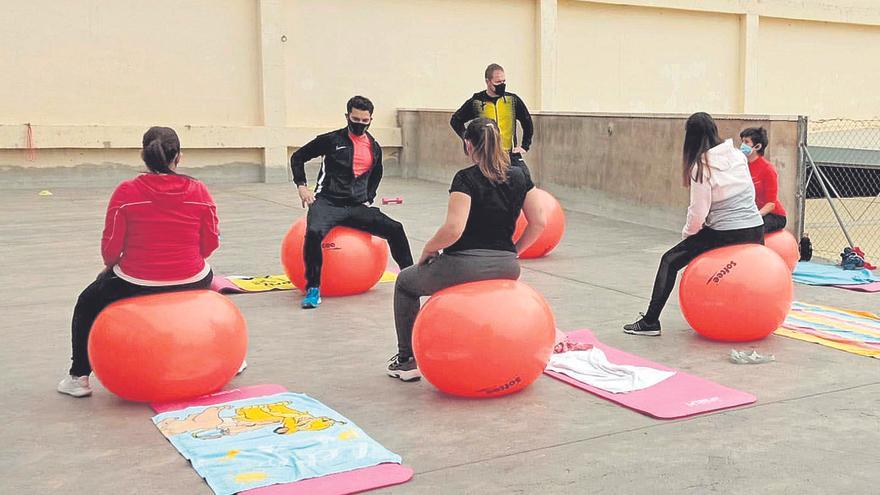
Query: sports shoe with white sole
(643, 327)
(312, 299)
(76, 386)
(407, 370)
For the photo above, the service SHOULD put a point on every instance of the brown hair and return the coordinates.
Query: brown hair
(701, 135)
(485, 137)
(161, 147)
(758, 135)
(490, 71)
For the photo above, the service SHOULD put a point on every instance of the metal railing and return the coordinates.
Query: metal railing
(842, 187)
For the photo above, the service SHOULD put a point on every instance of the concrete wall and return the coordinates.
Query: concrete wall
(625, 166)
(254, 79)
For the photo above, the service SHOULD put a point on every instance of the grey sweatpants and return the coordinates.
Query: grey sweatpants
(444, 271)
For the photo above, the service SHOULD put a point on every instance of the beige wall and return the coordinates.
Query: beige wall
(819, 69)
(401, 53)
(121, 62)
(267, 75)
(619, 59)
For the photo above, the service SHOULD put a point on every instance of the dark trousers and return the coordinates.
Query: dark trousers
(324, 215)
(685, 251)
(516, 160)
(773, 222)
(106, 289)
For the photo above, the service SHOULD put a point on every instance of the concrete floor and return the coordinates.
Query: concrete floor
(814, 429)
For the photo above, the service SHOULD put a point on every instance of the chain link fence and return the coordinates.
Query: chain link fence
(842, 195)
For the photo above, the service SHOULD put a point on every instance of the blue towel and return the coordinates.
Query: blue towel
(281, 438)
(811, 273)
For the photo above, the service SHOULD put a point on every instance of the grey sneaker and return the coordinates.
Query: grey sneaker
(642, 327)
(76, 386)
(407, 370)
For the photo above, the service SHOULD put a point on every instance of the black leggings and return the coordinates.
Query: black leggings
(324, 215)
(106, 289)
(773, 222)
(685, 251)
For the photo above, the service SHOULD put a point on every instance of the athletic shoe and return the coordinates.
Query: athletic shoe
(76, 386)
(642, 327)
(407, 371)
(312, 299)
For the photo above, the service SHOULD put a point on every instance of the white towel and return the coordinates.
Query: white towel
(593, 368)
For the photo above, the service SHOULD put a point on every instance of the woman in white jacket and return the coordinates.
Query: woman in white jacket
(722, 210)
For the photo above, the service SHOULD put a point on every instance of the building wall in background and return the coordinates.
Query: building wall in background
(823, 70)
(623, 166)
(616, 58)
(401, 53)
(121, 62)
(267, 75)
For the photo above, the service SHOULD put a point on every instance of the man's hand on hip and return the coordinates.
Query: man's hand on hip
(305, 195)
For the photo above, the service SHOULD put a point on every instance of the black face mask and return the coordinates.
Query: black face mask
(499, 89)
(357, 128)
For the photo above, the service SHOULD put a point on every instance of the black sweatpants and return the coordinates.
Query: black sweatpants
(685, 251)
(516, 160)
(773, 222)
(106, 289)
(324, 215)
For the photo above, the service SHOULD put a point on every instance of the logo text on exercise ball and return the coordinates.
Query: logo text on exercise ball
(500, 388)
(721, 273)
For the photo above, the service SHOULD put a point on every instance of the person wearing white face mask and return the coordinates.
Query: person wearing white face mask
(754, 144)
(502, 106)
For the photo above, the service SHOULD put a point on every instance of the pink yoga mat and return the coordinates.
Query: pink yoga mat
(871, 287)
(356, 481)
(222, 285)
(678, 396)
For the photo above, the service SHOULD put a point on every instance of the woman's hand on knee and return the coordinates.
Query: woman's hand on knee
(427, 257)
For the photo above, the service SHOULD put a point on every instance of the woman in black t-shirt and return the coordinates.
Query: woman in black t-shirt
(485, 200)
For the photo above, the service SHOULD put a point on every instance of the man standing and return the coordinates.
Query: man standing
(504, 108)
(347, 183)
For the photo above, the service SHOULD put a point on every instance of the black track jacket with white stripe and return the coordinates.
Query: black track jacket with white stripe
(336, 180)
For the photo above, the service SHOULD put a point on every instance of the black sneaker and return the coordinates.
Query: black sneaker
(642, 327)
(407, 370)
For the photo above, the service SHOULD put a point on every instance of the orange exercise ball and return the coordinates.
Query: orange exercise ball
(736, 293)
(169, 346)
(484, 339)
(354, 260)
(785, 245)
(553, 231)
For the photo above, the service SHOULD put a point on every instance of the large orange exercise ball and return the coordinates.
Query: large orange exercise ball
(736, 293)
(169, 346)
(553, 231)
(354, 260)
(484, 339)
(785, 245)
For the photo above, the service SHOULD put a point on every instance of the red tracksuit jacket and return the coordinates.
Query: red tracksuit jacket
(160, 227)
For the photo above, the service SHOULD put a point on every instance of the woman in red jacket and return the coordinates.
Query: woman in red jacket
(159, 229)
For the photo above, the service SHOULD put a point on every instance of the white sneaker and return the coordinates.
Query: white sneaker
(241, 368)
(77, 386)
